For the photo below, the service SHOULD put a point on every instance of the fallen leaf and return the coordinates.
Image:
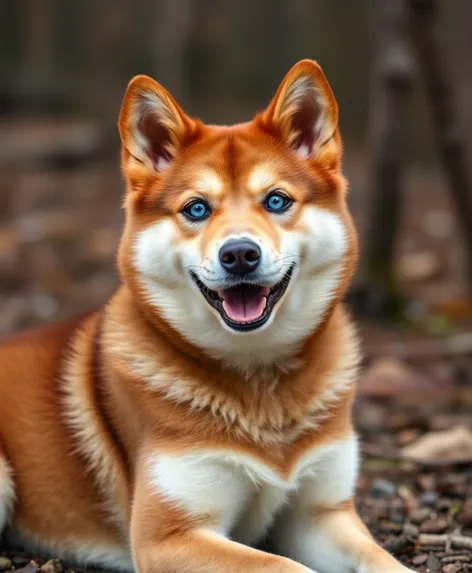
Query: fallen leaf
(455, 444)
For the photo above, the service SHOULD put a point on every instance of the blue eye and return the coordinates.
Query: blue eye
(197, 210)
(277, 202)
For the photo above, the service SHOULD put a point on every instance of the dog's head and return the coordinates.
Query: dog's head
(237, 236)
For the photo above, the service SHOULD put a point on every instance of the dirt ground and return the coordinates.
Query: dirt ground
(59, 229)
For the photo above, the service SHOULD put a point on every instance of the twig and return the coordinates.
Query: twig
(373, 452)
(455, 559)
(456, 541)
(451, 554)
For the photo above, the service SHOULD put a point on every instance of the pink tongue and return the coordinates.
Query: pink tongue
(244, 303)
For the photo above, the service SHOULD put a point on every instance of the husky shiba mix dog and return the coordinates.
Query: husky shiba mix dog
(207, 404)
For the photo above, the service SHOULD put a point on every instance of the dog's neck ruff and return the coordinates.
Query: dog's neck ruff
(273, 405)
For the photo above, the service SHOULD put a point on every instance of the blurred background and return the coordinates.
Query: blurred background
(64, 67)
(401, 71)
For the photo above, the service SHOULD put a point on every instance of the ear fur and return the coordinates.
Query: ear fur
(153, 127)
(303, 112)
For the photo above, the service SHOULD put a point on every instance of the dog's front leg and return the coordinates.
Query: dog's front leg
(333, 539)
(320, 527)
(201, 551)
(168, 538)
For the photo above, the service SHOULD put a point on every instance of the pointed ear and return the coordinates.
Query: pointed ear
(303, 112)
(153, 127)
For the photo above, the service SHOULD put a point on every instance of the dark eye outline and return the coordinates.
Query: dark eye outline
(186, 210)
(288, 202)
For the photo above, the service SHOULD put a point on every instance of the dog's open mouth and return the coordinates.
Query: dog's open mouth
(245, 306)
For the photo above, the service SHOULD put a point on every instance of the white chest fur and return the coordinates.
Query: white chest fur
(242, 495)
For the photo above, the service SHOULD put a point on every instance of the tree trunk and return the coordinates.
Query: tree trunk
(106, 53)
(173, 25)
(449, 140)
(391, 82)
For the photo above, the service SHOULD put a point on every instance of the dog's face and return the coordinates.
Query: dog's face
(238, 237)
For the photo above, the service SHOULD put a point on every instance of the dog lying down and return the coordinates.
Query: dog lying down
(207, 404)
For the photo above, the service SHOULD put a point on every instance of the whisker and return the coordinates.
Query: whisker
(289, 257)
(193, 266)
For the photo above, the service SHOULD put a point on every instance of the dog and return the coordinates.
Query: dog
(207, 405)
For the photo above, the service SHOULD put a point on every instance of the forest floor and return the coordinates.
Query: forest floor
(59, 229)
(415, 487)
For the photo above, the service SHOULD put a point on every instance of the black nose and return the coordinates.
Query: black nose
(240, 257)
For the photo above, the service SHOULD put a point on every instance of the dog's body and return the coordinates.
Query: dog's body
(209, 401)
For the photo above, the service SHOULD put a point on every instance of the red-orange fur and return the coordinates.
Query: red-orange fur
(59, 502)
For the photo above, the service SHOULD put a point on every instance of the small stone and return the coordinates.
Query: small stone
(420, 559)
(52, 566)
(31, 567)
(429, 499)
(396, 544)
(382, 488)
(452, 568)
(5, 564)
(434, 526)
(419, 515)
(410, 530)
(432, 563)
